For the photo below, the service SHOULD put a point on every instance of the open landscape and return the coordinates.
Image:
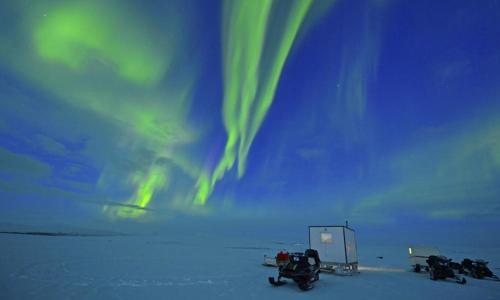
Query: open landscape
(209, 267)
(167, 149)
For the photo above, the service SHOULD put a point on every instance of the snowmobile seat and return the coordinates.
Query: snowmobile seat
(300, 264)
(313, 254)
(457, 266)
(467, 263)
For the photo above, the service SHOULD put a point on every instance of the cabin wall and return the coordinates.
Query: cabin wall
(329, 250)
(350, 242)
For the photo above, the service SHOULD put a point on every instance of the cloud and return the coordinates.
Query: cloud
(22, 166)
(26, 177)
(444, 176)
(361, 47)
(77, 33)
(49, 145)
(99, 66)
(311, 153)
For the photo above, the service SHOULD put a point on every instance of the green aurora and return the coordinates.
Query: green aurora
(253, 61)
(369, 110)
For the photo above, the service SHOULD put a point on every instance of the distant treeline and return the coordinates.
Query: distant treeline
(60, 233)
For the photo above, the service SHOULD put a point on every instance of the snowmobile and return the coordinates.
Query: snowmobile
(477, 269)
(439, 268)
(302, 268)
(457, 267)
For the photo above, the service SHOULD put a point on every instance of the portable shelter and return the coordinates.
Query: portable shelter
(418, 256)
(336, 246)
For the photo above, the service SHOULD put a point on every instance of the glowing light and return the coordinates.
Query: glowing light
(203, 186)
(81, 34)
(253, 57)
(147, 185)
(87, 53)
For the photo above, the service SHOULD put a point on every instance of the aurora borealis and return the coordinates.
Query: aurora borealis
(145, 111)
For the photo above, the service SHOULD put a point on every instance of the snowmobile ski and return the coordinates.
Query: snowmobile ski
(305, 286)
(276, 282)
(460, 280)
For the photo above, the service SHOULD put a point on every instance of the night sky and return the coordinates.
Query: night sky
(150, 111)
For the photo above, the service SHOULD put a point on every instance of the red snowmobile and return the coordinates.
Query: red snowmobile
(302, 268)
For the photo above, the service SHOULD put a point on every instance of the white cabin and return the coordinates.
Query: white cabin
(336, 246)
(418, 256)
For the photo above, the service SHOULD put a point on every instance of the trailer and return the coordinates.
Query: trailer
(336, 246)
(418, 256)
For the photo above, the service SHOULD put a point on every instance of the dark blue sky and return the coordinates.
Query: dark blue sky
(373, 111)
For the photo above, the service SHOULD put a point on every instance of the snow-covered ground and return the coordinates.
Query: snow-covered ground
(205, 267)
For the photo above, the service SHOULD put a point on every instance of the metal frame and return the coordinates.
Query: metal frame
(347, 268)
